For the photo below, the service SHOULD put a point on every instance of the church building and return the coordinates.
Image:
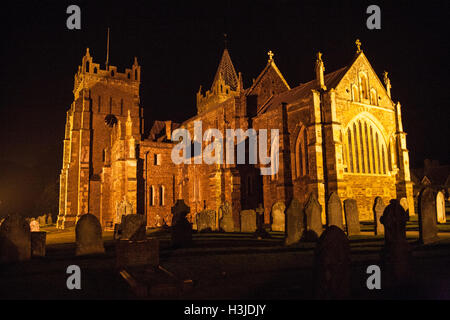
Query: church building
(340, 132)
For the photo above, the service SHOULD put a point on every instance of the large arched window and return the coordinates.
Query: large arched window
(301, 154)
(365, 147)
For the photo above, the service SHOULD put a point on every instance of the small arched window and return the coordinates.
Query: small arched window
(87, 66)
(135, 75)
(95, 70)
(373, 97)
(152, 195)
(301, 154)
(112, 73)
(355, 93)
(364, 86)
(161, 195)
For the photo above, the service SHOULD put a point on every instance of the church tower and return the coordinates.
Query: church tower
(103, 98)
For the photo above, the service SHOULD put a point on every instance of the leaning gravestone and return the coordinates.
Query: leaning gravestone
(313, 212)
(378, 209)
(278, 216)
(351, 217)
(34, 225)
(206, 220)
(427, 217)
(248, 221)
(396, 253)
(38, 239)
(332, 265)
(226, 223)
(15, 239)
(181, 227)
(335, 211)
(133, 227)
(295, 222)
(440, 207)
(88, 235)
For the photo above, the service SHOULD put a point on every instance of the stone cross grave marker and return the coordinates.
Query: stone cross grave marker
(226, 222)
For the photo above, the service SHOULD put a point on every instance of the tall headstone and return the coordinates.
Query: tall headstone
(427, 217)
(405, 205)
(440, 207)
(226, 222)
(248, 221)
(278, 216)
(295, 222)
(351, 217)
(88, 235)
(332, 265)
(206, 220)
(181, 227)
(335, 216)
(378, 208)
(313, 212)
(49, 219)
(15, 239)
(133, 227)
(396, 253)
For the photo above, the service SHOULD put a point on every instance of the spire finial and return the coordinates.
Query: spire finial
(225, 40)
(270, 54)
(358, 46)
(387, 82)
(107, 50)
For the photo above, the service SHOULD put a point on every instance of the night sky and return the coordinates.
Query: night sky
(179, 44)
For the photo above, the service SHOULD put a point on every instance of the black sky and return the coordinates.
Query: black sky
(179, 45)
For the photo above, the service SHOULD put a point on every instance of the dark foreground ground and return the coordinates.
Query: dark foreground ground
(226, 266)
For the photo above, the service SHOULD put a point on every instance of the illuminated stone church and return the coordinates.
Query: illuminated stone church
(341, 132)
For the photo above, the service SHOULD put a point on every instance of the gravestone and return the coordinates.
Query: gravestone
(378, 209)
(313, 212)
(137, 253)
(278, 216)
(260, 230)
(38, 239)
(427, 217)
(396, 253)
(15, 239)
(49, 219)
(226, 223)
(88, 235)
(181, 227)
(206, 220)
(335, 211)
(34, 225)
(351, 217)
(295, 222)
(405, 205)
(332, 265)
(132, 227)
(42, 220)
(440, 207)
(248, 221)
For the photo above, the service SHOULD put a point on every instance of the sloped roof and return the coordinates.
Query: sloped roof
(270, 64)
(226, 71)
(438, 175)
(303, 91)
(158, 130)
